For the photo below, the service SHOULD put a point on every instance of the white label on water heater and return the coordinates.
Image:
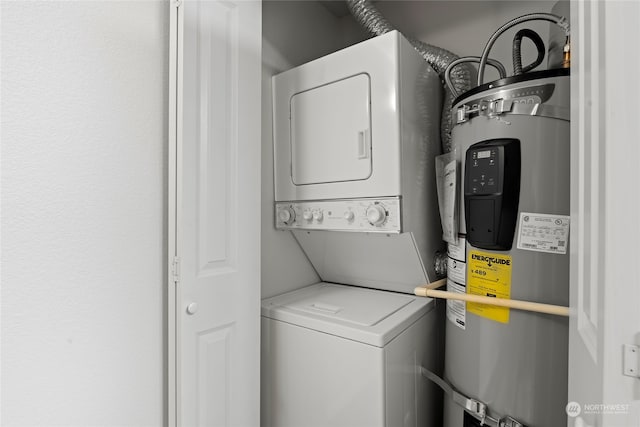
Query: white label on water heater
(458, 251)
(450, 219)
(456, 281)
(543, 233)
(457, 271)
(456, 310)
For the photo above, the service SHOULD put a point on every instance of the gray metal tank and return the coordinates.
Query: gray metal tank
(515, 362)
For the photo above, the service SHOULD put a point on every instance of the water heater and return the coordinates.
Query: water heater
(511, 139)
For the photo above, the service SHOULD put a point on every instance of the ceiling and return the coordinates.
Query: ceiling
(338, 8)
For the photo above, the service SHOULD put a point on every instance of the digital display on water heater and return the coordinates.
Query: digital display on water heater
(484, 154)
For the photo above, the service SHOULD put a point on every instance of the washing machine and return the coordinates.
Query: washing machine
(344, 356)
(355, 138)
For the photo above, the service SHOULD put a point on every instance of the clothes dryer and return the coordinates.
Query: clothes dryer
(355, 135)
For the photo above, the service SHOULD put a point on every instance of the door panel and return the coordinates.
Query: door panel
(216, 304)
(331, 132)
(604, 210)
(213, 347)
(213, 48)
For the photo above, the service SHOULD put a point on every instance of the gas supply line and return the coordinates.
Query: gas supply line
(431, 290)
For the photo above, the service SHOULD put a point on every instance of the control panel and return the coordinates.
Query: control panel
(492, 193)
(370, 215)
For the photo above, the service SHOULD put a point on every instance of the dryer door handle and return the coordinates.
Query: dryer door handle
(364, 144)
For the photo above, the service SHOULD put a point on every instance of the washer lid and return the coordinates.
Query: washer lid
(351, 305)
(366, 315)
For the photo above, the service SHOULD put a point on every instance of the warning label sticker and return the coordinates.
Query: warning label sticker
(456, 310)
(489, 274)
(543, 233)
(458, 251)
(456, 271)
(456, 279)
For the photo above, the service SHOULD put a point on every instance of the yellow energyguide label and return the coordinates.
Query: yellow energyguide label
(489, 274)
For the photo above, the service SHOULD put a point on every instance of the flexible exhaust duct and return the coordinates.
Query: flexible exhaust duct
(373, 21)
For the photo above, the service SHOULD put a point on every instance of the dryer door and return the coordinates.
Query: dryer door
(331, 132)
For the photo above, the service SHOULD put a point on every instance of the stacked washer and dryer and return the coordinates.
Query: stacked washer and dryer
(355, 137)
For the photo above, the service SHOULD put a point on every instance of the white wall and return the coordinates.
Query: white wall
(83, 108)
(294, 32)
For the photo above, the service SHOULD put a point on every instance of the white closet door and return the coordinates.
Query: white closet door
(214, 298)
(604, 329)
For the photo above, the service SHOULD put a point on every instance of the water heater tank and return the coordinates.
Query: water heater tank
(512, 142)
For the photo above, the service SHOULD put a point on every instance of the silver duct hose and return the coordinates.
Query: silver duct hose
(439, 59)
(447, 77)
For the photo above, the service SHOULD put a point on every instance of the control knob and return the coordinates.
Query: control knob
(307, 215)
(317, 215)
(376, 215)
(287, 215)
(348, 215)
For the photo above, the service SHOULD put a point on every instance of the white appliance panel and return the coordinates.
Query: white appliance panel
(331, 132)
(370, 215)
(311, 379)
(323, 93)
(368, 316)
(375, 260)
(317, 371)
(351, 305)
(355, 136)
